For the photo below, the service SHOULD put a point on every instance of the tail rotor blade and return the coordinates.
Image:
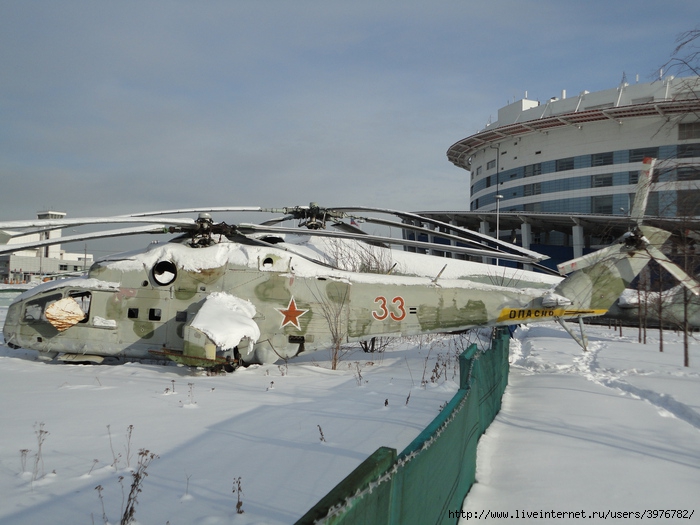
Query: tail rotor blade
(675, 270)
(589, 260)
(641, 197)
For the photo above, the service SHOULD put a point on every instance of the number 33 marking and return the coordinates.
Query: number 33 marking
(384, 310)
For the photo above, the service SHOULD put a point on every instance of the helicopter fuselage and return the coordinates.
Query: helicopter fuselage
(145, 305)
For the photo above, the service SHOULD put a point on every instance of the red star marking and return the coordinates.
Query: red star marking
(291, 314)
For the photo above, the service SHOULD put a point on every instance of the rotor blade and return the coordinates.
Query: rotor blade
(40, 225)
(272, 222)
(478, 237)
(360, 234)
(436, 233)
(641, 196)
(589, 259)
(675, 270)
(254, 228)
(156, 228)
(348, 228)
(219, 209)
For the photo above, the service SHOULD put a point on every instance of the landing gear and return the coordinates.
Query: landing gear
(232, 363)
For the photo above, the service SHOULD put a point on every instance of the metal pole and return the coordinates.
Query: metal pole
(498, 218)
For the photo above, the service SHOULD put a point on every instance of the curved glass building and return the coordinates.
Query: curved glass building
(582, 154)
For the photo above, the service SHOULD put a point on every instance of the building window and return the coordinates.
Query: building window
(601, 181)
(490, 164)
(565, 164)
(532, 189)
(602, 204)
(63, 267)
(132, 313)
(533, 169)
(633, 177)
(688, 203)
(478, 170)
(534, 206)
(686, 151)
(690, 130)
(688, 173)
(638, 155)
(602, 159)
(154, 314)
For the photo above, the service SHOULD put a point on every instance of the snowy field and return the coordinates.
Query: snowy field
(263, 424)
(615, 429)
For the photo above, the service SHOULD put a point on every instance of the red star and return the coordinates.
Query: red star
(291, 314)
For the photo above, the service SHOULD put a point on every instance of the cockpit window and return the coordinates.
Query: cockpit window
(83, 299)
(34, 310)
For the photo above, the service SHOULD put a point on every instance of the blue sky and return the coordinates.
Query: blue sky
(118, 107)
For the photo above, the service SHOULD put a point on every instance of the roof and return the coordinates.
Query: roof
(460, 152)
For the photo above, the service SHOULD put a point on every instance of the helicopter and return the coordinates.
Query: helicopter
(220, 296)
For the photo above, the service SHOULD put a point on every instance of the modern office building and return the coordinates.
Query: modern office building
(581, 155)
(37, 263)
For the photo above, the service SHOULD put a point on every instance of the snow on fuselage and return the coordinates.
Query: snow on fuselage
(138, 302)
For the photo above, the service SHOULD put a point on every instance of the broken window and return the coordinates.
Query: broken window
(34, 310)
(83, 299)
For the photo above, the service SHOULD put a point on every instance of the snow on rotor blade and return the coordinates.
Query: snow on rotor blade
(216, 209)
(349, 228)
(254, 228)
(138, 230)
(508, 247)
(53, 224)
(443, 235)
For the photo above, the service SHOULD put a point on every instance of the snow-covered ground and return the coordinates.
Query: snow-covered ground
(263, 424)
(615, 429)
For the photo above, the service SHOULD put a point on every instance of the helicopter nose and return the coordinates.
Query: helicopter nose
(11, 326)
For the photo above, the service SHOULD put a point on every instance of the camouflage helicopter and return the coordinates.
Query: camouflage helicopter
(220, 295)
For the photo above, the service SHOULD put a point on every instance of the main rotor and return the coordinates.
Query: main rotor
(314, 219)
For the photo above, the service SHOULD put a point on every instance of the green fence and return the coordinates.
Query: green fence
(427, 482)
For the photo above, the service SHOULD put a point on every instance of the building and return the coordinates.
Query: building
(580, 157)
(37, 263)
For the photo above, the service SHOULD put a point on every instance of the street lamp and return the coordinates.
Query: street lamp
(498, 198)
